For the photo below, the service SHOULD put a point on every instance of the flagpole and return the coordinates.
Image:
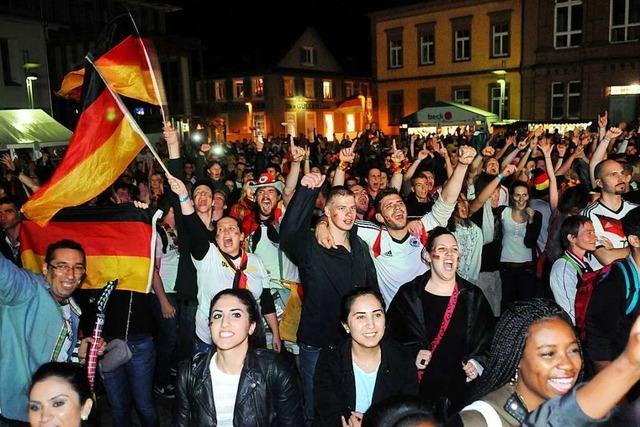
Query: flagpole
(129, 117)
(156, 89)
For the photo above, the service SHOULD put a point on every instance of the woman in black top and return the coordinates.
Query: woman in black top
(346, 374)
(446, 322)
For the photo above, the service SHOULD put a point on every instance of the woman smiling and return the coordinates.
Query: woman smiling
(365, 369)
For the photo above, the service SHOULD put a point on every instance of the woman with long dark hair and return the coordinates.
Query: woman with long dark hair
(59, 395)
(237, 384)
(446, 323)
(363, 370)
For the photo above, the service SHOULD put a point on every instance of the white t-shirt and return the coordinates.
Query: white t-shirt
(225, 389)
(513, 248)
(607, 223)
(400, 261)
(168, 262)
(544, 208)
(268, 253)
(214, 275)
(470, 241)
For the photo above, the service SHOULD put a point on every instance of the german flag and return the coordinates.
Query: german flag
(105, 141)
(124, 67)
(119, 242)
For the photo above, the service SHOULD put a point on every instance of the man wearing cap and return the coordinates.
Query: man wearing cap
(262, 226)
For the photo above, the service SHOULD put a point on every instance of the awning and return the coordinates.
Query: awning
(350, 103)
(24, 128)
(447, 113)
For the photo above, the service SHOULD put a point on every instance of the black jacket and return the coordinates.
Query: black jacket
(405, 317)
(326, 274)
(269, 393)
(334, 383)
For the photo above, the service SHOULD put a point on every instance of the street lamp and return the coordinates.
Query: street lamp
(503, 84)
(29, 83)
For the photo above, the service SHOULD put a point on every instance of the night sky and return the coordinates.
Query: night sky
(227, 28)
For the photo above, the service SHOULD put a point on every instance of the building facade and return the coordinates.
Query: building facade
(303, 91)
(467, 51)
(581, 58)
(69, 30)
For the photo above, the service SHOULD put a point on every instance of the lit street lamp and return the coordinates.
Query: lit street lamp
(503, 84)
(29, 80)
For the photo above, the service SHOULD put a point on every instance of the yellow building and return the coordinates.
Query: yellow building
(466, 51)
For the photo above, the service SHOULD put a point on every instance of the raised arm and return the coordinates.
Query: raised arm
(452, 187)
(600, 153)
(488, 190)
(397, 158)
(547, 148)
(199, 244)
(347, 157)
(297, 155)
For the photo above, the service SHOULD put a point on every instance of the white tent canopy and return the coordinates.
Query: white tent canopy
(31, 129)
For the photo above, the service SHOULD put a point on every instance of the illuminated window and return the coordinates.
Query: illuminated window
(220, 90)
(327, 89)
(309, 90)
(258, 87)
(238, 89)
(259, 123)
(568, 23)
(625, 21)
(351, 122)
(494, 99)
(289, 86)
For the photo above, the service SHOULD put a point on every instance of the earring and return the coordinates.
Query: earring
(514, 379)
(84, 418)
(348, 330)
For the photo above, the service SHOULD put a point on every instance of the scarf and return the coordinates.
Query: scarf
(239, 278)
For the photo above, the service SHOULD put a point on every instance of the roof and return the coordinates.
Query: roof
(26, 127)
(448, 113)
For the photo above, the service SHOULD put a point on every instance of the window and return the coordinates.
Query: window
(364, 88)
(394, 42)
(309, 90)
(10, 69)
(461, 38)
(289, 87)
(348, 89)
(308, 56)
(574, 90)
(500, 33)
(238, 89)
(220, 92)
(327, 89)
(557, 100)
(426, 44)
(426, 97)
(568, 24)
(351, 122)
(200, 91)
(625, 21)
(566, 100)
(395, 104)
(494, 100)
(258, 87)
(462, 94)
(259, 123)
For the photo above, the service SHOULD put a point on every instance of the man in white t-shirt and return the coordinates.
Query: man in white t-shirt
(395, 252)
(607, 212)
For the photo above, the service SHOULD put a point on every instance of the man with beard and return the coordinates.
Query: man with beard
(607, 212)
(221, 266)
(397, 254)
(327, 273)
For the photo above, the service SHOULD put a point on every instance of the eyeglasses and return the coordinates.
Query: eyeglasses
(60, 269)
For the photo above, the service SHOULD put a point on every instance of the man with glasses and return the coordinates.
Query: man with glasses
(38, 322)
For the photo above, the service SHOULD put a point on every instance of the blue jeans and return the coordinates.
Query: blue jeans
(187, 327)
(308, 358)
(133, 381)
(166, 341)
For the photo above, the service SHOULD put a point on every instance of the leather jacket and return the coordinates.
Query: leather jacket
(405, 317)
(269, 392)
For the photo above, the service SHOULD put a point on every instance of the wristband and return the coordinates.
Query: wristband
(344, 166)
(184, 199)
(500, 177)
(605, 139)
(529, 150)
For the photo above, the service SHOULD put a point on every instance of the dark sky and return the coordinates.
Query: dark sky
(228, 29)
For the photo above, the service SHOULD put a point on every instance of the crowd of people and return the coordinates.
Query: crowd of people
(470, 279)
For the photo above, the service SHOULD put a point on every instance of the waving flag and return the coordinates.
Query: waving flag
(126, 69)
(119, 242)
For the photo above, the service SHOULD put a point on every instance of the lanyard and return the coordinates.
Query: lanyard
(446, 319)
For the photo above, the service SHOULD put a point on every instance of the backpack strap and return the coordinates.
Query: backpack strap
(631, 285)
(487, 411)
